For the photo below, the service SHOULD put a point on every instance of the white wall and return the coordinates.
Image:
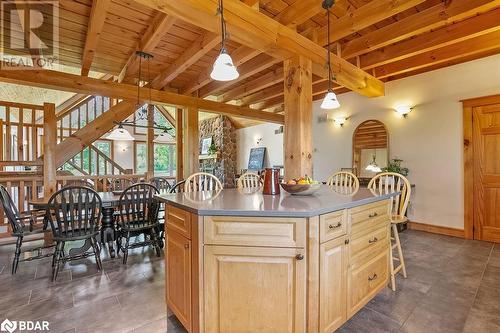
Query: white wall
(247, 138)
(429, 140)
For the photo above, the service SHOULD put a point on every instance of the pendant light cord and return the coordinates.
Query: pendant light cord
(222, 24)
(328, 53)
(139, 82)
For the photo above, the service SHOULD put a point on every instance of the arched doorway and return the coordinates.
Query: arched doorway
(370, 144)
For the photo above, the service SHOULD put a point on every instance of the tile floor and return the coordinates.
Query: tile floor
(453, 286)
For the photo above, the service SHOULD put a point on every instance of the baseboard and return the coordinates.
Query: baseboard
(435, 229)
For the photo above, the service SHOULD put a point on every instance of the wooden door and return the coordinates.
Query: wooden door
(178, 276)
(333, 277)
(486, 145)
(250, 289)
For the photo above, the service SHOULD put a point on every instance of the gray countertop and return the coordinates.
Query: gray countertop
(234, 202)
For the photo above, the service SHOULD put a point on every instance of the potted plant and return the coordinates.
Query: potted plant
(395, 166)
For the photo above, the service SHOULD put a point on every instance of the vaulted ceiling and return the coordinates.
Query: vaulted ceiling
(385, 39)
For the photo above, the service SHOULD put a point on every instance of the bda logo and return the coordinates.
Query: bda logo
(8, 326)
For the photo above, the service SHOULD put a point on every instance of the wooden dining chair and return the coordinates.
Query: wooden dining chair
(387, 183)
(344, 181)
(249, 180)
(162, 184)
(74, 214)
(138, 214)
(178, 187)
(202, 181)
(21, 225)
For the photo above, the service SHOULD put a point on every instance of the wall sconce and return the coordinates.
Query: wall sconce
(340, 121)
(403, 110)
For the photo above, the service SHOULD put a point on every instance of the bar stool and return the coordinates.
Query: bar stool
(344, 181)
(249, 180)
(386, 183)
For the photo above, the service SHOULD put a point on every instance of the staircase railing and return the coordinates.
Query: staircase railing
(97, 163)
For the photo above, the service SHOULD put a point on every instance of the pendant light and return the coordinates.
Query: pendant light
(330, 101)
(373, 166)
(120, 134)
(164, 138)
(223, 69)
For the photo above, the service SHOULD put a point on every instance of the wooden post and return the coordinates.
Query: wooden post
(298, 117)
(49, 148)
(192, 142)
(179, 144)
(150, 144)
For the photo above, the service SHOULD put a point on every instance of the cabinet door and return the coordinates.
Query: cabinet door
(250, 289)
(178, 276)
(333, 277)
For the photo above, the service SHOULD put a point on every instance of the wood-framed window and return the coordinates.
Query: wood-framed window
(164, 158)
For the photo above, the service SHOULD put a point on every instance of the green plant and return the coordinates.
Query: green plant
(213, 149)
(395, 166)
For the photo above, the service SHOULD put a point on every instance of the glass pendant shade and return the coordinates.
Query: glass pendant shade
(224, 69)
(330, 101)
(164, 138)
(120, 134)
(373, 166)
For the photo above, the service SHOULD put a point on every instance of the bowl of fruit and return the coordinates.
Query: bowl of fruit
(301, 186)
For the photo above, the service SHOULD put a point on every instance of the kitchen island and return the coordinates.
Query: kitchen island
(238, 261)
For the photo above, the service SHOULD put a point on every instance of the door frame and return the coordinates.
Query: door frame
(468, 106)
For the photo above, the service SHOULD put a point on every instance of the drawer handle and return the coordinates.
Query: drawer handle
(374, 277)
(299, 256)
(338, 225)
(373, 215)
(373, 240)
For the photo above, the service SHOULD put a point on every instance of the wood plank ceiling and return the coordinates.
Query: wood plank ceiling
(388, 39)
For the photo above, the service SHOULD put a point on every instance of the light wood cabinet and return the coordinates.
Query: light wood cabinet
(251, 289)
(178, 276)
(333, 283)
(366, 279)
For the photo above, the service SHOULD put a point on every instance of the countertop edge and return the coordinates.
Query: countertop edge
(270, 213)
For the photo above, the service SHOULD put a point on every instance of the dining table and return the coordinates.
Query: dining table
(110, 201)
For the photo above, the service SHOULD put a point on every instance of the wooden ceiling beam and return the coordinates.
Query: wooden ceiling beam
(431, 18)
(258, 31)
(363, 17)
(160, 26)
(191, 55)
(85, 85)
(96, 23)
(299, 12)
(253, 86)
(483, 44)
(455, 33)
(263, 95)
(248, 69)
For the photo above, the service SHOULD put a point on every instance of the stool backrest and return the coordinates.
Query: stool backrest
(178, 187)
(391, 182)
(344, 181)
(74, 211)
(249, 180)
(202, 181)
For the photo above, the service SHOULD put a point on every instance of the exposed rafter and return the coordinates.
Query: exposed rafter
(258, 31)
(96, 23)
(161, 24)
(431, 18)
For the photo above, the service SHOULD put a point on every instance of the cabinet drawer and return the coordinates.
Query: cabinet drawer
(178, 220)
(368, 245)
(255, 231)
(366, 280)
(332, 225)
(369, 217)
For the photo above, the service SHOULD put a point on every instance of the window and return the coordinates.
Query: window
(164, 158)
(160, 120)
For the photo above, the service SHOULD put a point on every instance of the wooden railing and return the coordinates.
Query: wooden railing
(78, 116)
(98, 163)
(21, 129)
(25, 188)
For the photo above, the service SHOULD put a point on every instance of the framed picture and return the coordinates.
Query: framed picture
(205, 145)
(256, 158)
